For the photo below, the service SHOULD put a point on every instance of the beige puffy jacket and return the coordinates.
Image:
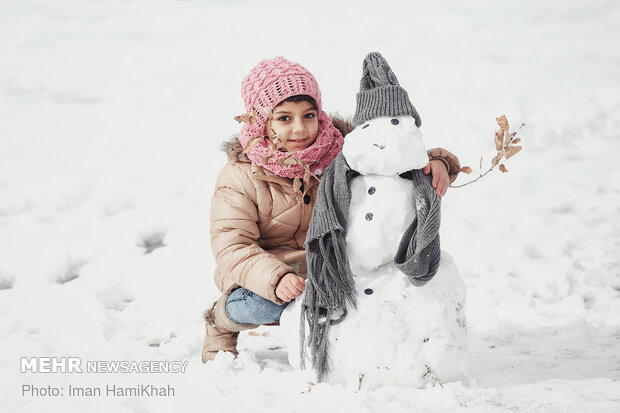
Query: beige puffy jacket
(259, 222)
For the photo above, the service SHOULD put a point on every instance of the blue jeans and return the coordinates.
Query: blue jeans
(245, 307)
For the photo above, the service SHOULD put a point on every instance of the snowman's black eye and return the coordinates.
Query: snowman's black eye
(365, 126)
(395, 121)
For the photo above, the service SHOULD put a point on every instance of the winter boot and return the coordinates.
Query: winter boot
(221, 332)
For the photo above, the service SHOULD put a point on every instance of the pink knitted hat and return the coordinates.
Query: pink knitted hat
(267, 85)
(272, 81)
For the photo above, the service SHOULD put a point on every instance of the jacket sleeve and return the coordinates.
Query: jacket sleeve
(450, 160)
(235, 234)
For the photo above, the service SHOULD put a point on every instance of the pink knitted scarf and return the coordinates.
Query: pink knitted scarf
(317, 156)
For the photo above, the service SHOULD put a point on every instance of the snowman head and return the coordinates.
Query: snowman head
(387, 145)
(387, 140)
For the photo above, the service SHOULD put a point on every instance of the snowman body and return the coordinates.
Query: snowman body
(399, 334)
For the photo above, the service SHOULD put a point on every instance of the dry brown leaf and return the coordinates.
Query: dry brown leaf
(287, 161)
(267, 158)
(516, 141)
(252, 333)
(296, 184)
(243, 118)
(253, 142)
(249, 117)
(503, 123)
(503, 168)
(307, 175)
(499, 139)
(466, 170)
(495, 160)
(265, 334)
(512, 151)
(268, 112)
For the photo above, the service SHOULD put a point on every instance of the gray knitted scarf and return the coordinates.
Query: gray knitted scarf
(330, 288)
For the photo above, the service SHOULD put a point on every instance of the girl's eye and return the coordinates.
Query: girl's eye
(283, 118)
(310, 115)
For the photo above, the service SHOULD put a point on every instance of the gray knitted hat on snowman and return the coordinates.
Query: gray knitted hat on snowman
(380, 93)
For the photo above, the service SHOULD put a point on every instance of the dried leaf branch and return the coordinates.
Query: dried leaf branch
(506, 146)
(249, 117)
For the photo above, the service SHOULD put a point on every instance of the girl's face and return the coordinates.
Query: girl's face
(295, 123)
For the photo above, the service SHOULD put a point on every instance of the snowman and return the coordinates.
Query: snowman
(383, 304)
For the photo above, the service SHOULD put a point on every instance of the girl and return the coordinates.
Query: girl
(262, 205)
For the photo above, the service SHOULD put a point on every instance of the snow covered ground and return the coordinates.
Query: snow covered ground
(111, 114)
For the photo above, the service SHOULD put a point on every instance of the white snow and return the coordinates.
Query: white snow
(111, 114)
(395, 142)
(399, 330)
(379, 213)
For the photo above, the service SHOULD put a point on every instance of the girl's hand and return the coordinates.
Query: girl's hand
(439, 172)
(290, 286)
